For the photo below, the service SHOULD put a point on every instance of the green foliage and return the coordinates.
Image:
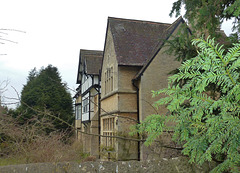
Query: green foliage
(204, 18)
(234, 38)
(44, 92)
(204, 101)
(233, 10)
(180, 45)
(208, 14)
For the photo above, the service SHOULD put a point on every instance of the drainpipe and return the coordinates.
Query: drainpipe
(99, 115)
(133, 83)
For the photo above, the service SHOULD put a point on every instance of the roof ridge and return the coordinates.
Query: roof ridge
(158, 48)
(90, 50)
(180, 18)
(136, 20)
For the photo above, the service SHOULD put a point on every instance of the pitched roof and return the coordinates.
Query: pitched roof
(93, 64)
(90, 62)
(134, 40)
(167, 33)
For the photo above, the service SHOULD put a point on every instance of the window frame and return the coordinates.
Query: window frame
(78, 111)
(108, 74)
(108, 129)
(85, 105)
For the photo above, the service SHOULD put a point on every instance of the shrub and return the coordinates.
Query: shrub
(204, 101)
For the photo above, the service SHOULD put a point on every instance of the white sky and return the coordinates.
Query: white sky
(57, 29)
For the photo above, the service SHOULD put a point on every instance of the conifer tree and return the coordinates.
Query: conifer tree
(204, 101)
(204, 18)
(43, 92)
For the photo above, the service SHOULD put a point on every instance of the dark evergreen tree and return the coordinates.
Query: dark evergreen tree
(204, 18)
(45, 94)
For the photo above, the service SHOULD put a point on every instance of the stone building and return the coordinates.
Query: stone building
(134, 63)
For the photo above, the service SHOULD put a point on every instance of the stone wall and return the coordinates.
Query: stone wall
(174, 165)
(155, 77)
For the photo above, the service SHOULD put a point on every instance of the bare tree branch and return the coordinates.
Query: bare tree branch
(48, 113)
(108, 113)
(8, 40)
(16, 30)
(3, 33)
(3, 39)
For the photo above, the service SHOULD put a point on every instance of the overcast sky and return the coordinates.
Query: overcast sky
(55, 31)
